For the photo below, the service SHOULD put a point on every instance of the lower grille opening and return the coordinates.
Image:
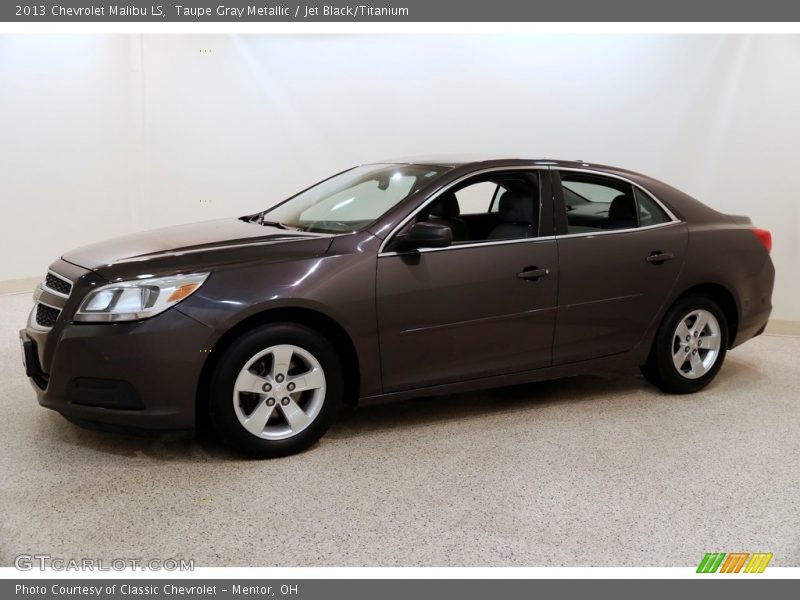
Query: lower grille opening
(46, 316)
(104, 393)
(32, 367)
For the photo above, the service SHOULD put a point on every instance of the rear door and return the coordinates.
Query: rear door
(472, 309)
(620, 252)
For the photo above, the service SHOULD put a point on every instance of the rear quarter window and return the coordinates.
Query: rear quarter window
(650, 213)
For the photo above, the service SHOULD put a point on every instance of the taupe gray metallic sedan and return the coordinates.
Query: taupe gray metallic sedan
(393, 280)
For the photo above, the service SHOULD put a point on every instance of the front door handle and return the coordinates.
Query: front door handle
(533, 273)
(656, 257)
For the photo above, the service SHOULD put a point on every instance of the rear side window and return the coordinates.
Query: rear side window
(594, 202)
(650, 213)
(597, 203)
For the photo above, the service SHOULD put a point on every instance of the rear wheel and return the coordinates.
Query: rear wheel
(690, 346)
(276, 390)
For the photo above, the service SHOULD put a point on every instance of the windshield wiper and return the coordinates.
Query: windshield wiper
(278, 224)
(272, 224)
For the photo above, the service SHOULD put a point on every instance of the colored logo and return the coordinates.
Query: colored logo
(734, 562)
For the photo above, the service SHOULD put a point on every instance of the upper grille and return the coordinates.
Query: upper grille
(57, 284)
(46, 316)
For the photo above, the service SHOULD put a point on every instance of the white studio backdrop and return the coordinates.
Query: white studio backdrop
(103, 135)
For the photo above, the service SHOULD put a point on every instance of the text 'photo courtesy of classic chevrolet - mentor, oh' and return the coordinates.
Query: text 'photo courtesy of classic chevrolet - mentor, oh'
(393, 280)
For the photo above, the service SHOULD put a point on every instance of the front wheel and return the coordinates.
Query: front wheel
(276, 390)
(689, 347)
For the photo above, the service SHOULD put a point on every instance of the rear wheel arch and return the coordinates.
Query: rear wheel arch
(722, 296)
(690, 344)
(311, 318)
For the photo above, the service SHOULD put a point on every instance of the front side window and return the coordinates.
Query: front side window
(497, 206)
(593, 202)
(477, 198)
(351, 200)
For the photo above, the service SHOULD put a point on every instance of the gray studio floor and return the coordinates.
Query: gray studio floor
(600, 471)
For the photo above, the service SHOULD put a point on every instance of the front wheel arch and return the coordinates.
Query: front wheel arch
(316, 320)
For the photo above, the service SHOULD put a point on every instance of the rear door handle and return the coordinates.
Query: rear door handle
(657, 257)
(533, 273)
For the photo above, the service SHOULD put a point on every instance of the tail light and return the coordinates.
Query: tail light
(764, 236)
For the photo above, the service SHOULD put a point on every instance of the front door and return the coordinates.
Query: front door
(484, 305)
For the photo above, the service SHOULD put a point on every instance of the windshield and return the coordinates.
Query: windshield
(351, 200)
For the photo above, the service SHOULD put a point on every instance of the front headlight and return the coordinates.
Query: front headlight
(135, 300)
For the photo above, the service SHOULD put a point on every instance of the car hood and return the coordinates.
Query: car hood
(184, 247)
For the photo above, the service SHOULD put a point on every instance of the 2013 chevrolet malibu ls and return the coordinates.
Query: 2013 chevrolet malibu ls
(393, 280)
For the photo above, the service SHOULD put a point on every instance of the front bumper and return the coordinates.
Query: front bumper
(141, 375)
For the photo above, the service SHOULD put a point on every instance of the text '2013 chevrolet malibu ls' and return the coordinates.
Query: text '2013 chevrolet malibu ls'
(393, 280)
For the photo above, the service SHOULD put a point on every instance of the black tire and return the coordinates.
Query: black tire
(660, 369)
(221, 403)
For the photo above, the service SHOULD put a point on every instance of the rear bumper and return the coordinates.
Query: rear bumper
(754, 325)
(755, 298)
(125, 375)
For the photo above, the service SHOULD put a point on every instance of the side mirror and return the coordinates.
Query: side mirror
(425, 235)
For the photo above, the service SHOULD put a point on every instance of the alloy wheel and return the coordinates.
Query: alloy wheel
(279, 392)
(696, 344)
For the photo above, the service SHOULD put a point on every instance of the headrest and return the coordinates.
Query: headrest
(446, 206)
(516, 208)
(623, 208)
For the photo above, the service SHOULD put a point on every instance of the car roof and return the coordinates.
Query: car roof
(467, 162)
(463, 160)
